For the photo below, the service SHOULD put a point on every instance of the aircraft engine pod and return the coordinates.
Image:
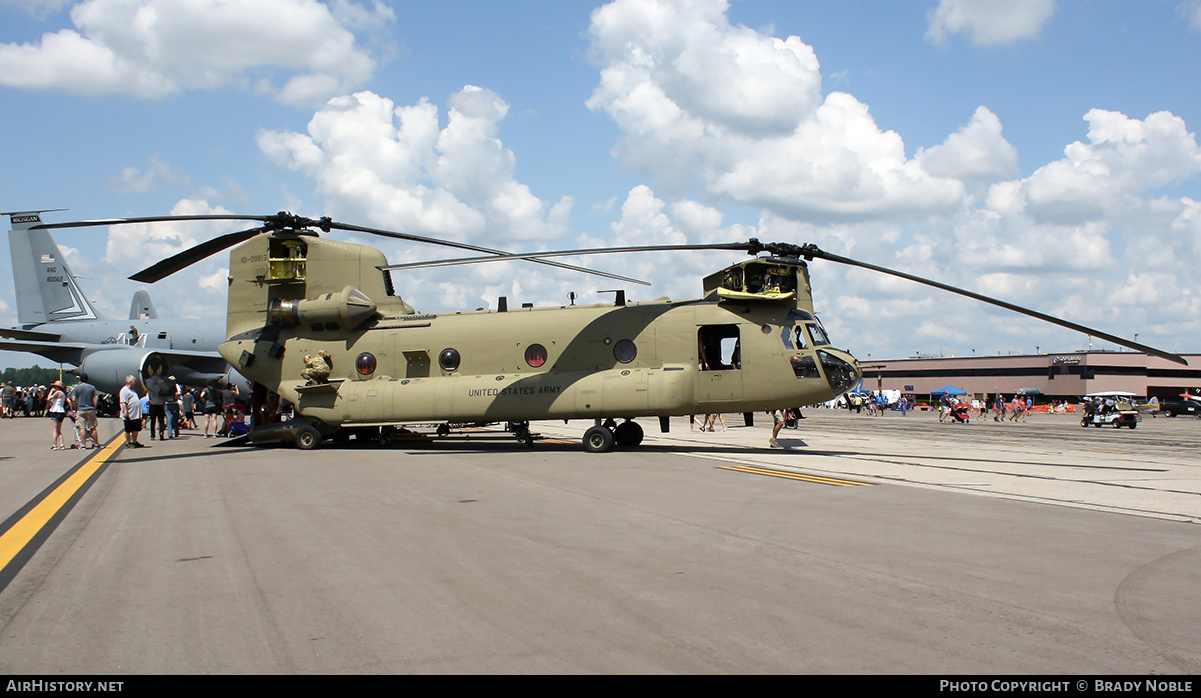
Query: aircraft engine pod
(106, 369)
(237, 380)
(345, 310)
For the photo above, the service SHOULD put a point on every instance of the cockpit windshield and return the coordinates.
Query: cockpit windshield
(816, 331)
(819, 334)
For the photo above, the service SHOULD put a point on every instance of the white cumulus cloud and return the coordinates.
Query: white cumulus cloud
(140, 181)
(1123, 158)
(977, 151)
(296, 51)
(397, 168)
(702, 101)
(989, 22)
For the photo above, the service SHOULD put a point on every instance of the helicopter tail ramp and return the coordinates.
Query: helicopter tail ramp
(46, 290)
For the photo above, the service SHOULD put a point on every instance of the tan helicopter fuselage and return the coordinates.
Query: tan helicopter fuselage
(293, 297)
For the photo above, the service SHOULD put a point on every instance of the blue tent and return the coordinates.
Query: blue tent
(948, 390)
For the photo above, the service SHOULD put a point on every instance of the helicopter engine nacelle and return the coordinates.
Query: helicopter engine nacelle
(346, 309)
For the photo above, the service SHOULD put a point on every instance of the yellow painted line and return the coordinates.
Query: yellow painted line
(14, 540)
(796, 476)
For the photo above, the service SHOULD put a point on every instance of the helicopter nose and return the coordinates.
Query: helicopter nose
(842, 370)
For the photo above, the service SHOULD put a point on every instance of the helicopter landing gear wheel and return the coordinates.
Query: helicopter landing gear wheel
(307, 438)
(598, 440)
(521, 431)
(1084, 422)
(443, 430)
(628, 434)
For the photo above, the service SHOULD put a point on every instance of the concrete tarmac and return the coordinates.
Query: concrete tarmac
(871, 545)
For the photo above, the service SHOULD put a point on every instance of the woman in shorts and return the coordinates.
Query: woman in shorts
(211, 399)
(56, 409)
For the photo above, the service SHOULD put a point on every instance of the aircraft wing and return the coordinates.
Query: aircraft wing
(28, 335)
(58, 352)
(75, 352)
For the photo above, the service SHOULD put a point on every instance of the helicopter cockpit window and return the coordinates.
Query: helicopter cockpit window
(793, 337)
(804, 367)
(818, 333)
(718, 348)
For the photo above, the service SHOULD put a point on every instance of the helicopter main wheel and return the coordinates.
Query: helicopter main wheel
(521, 431)
(598, 440)
(443, 430)
(308, 438)
(628, 434)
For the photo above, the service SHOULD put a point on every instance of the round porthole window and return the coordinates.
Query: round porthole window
(625, 351)
(365, 364)
(535, 355)
(449, 359)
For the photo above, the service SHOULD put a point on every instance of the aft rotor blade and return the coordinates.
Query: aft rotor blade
(737, 246)
(812, 252)
(150, 219)
(475, 248)
(190, 256)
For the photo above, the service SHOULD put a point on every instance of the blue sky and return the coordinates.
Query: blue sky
(1007, 147)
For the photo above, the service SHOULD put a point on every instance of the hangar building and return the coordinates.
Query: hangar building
(1059, 376)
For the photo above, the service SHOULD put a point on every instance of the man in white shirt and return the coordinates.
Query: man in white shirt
(131, 412)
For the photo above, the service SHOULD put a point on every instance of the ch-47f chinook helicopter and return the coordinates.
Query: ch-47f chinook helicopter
(318, 322)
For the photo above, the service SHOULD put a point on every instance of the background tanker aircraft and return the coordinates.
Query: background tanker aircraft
(318, 322)
(56, 320)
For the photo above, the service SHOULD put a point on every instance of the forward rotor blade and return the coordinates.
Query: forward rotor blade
(190, 256)
(475, 248)
(812, 252)
(737, 246)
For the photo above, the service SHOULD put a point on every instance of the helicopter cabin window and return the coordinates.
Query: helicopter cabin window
(449, 360)
(287, 259)
(718, 348)
(535, 355)
(625, 351)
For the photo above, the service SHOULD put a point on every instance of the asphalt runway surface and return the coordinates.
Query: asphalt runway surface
(871, 545)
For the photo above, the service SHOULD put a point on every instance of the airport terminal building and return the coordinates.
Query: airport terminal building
(1059, 376)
